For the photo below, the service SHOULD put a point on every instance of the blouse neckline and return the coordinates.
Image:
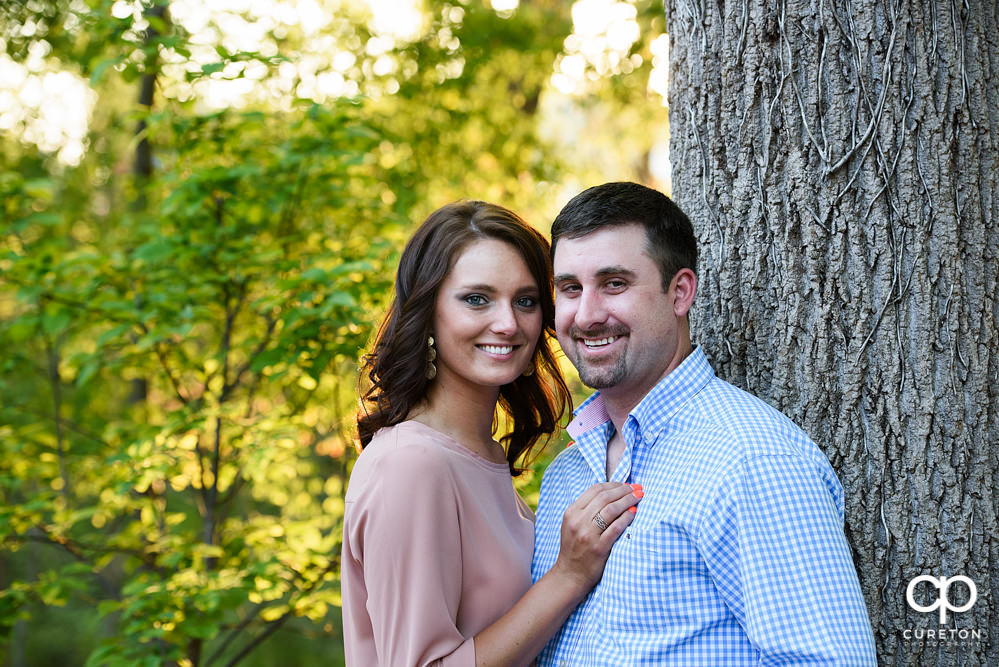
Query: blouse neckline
(456, 446)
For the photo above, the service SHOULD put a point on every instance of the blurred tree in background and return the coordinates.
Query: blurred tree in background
(188, 281)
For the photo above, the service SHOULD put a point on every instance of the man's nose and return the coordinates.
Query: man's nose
(590, 310)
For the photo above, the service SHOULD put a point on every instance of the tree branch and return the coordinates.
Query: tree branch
(275, 625)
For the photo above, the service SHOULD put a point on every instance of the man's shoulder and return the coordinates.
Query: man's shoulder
(741, 417)
(735, 436)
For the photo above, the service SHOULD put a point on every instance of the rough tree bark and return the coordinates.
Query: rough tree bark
(840, 161)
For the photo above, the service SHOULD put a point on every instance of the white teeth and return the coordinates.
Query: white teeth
(600, 342)
(497, 349)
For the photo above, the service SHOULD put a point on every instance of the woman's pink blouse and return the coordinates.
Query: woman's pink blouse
(436, 546)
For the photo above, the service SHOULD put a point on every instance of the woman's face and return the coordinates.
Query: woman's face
(487, 318)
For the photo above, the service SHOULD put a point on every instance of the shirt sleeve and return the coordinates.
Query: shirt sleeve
(406, 538)
(552, 503)
(777, 554)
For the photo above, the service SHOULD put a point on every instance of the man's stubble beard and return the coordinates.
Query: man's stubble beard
(602, 376)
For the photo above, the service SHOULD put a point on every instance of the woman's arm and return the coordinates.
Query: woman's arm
(520, 634)
(402, 564)
(402, 569)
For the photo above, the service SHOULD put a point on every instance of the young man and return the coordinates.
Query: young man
(737, 554)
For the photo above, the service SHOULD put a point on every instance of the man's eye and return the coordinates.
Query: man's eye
(569, 288)
(475, 300)
(616, 284)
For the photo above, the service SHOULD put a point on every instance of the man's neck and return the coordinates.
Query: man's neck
(619, 404)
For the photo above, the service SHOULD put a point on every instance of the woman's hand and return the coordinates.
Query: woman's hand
(521, 633)
(590, 526)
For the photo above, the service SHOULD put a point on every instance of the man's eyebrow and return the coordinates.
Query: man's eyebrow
(615, 271)
(600, 273)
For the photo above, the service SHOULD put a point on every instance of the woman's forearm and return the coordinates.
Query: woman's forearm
(518, 636)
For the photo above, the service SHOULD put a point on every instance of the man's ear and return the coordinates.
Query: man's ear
(683, 287)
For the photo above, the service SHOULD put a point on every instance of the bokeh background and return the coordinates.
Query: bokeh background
(202, 207)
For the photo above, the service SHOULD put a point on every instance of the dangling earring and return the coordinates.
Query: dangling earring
(529, 371)
(431, 355)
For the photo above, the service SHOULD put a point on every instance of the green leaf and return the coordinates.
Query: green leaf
(40, 188)
(199, 628)
(102, 67)
(344, 299)
(315, 275)
(212, 68)
(87, 371)
(269, 358)
(54, 323)
(154, 251)
(117, 332)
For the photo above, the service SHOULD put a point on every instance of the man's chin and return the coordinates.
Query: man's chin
(600, 378)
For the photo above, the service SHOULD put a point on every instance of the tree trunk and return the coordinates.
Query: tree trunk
(839, 162)
(142, 167)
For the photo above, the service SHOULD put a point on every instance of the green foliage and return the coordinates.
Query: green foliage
(477, 79)
(176, 347)
(181, 336)
(165, 392)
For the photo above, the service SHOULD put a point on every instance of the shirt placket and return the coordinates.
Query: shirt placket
(633, 446)
(591, 606)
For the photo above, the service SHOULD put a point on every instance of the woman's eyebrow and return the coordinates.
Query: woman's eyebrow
(483, 287)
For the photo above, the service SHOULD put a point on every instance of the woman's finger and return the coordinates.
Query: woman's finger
(609, 490)
(616, 529)
(606, 507)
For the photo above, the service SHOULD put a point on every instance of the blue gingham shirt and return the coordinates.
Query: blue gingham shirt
(736, 555)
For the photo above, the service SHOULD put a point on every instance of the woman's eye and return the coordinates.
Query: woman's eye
(527, 302)
(475, 300)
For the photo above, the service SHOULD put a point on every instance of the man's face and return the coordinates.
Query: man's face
(613, 320)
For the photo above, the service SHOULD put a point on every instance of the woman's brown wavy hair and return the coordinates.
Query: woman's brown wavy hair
(397, 364)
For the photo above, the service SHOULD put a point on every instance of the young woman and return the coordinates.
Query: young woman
(437, 546)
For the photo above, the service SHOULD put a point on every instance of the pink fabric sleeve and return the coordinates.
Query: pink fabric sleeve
(407, 537)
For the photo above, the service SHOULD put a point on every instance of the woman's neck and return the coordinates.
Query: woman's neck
(467, 417)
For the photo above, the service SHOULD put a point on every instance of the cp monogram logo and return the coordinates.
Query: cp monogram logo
(942, 584)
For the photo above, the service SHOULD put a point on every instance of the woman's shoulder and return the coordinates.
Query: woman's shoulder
(400, 456)
(408, 442)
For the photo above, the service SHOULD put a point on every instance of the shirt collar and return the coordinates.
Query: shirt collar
(659, 405)
(589, 415)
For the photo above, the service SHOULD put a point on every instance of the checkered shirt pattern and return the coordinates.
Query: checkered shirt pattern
(736, 555)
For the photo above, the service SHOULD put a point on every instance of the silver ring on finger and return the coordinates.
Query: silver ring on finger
(599, 520)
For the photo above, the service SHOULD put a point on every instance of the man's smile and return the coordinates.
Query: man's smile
(599, 342)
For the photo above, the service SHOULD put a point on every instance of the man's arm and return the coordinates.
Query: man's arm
(776, 551)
